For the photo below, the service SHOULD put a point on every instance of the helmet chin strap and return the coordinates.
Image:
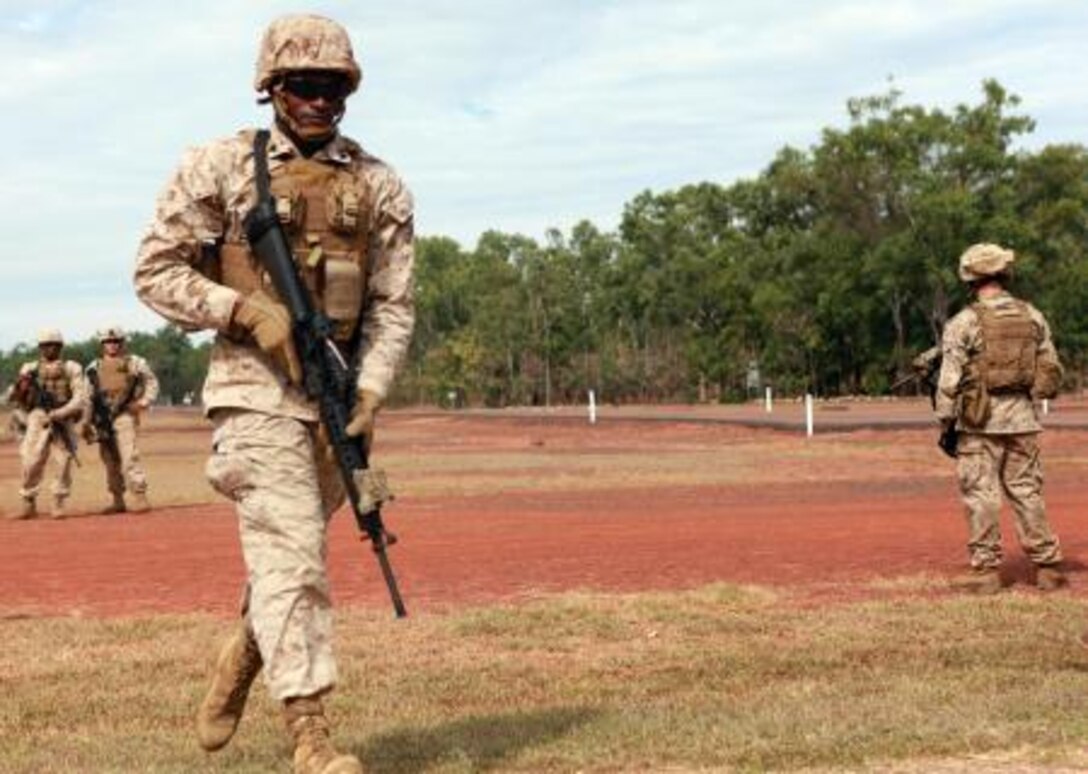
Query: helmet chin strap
(305, 135)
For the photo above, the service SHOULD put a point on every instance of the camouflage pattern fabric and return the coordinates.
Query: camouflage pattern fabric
(266, 464)
(205, 201)
(305, 42)
(985, 260)
(149, 392)
(127, 472)
(37, 447)
(1009, 413)
(38, 443)
(77, 401)
(138, 366)
(986, 465)
(264, 456)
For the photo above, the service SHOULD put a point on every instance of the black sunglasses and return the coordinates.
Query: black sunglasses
(310, 87)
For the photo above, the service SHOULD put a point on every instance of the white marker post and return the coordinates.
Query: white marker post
(1046, 407)
(767, 402)
(592, 408)
(808, 415)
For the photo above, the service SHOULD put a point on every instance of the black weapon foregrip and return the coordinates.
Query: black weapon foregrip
(270, 246)
(949, 441)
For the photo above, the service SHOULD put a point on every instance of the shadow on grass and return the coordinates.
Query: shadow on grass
(1019, 569)
(479, 743)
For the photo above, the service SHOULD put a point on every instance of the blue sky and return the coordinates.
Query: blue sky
(518, 115)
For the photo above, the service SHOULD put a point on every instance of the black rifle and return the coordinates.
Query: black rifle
(949, 439)
(60, 431)
(326, 376)
(103, 415)
(926, 370)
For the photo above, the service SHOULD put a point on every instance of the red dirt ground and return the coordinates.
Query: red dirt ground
(830, 540)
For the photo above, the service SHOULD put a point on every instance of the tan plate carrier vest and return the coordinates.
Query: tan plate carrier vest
(323, 211)
(52, 378)
(115, 378)
(1010, 341)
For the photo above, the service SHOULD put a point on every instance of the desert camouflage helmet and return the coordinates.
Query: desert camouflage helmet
(305, 42)
(984, 260)
(111, 333)
(49, 336)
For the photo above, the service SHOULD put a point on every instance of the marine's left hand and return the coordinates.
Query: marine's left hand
(362, 416)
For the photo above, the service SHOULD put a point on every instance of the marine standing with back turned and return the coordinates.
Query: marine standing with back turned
(348, 219)
(998, 359)
(51, 393)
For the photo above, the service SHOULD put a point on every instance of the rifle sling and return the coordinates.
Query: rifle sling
(260, 165)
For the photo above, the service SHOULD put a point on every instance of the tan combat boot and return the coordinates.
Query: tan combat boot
(314, 753)
(116, 506)
(57, 511)
(140, 503)
(980, 581)
(1049, 577)
(238, 663)
(28, 510)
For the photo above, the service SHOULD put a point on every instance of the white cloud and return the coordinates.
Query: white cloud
(516, 116)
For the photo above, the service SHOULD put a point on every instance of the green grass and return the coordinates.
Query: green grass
(724, 678)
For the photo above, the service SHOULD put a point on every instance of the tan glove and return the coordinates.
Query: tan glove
(270, 325)
(362, 415)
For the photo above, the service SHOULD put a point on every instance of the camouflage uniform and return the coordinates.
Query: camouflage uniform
(263, 448)
(1002, 454)
(64, 379)
(125, 471)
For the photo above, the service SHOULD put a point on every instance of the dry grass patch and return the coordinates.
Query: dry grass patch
(724, 678)
(917, 583)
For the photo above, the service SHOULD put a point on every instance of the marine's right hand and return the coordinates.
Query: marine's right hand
(270, 325)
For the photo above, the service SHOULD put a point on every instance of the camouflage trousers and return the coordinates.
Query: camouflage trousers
(37, 447)
(124, 470)
(988, 465)
(267, 465)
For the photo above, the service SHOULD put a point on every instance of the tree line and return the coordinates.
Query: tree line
(826, 272)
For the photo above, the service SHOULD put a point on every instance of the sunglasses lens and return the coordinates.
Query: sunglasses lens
(310, 88)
